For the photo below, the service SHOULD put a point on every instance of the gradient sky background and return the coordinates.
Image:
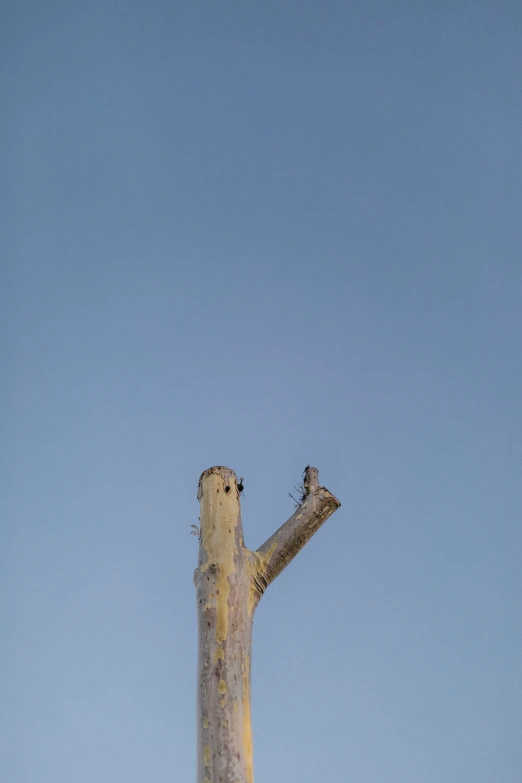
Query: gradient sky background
(263, 234)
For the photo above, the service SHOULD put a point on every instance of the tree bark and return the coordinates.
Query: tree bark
(230, 580)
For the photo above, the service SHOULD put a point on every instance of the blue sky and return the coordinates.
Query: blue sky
(263, 234)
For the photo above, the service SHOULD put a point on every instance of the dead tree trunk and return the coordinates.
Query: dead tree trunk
(230, 580)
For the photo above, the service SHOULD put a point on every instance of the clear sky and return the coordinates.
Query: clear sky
(263, 234)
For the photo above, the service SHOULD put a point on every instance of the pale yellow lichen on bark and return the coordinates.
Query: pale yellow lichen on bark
(252, 598)
(219, 518)
(206, 755)
(220, 653)
(262, 560)
(256, 564)
(222, 687)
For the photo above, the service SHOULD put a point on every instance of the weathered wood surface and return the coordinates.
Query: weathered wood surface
(230, 580)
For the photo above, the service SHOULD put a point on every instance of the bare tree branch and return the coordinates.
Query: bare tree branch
(276, 553)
